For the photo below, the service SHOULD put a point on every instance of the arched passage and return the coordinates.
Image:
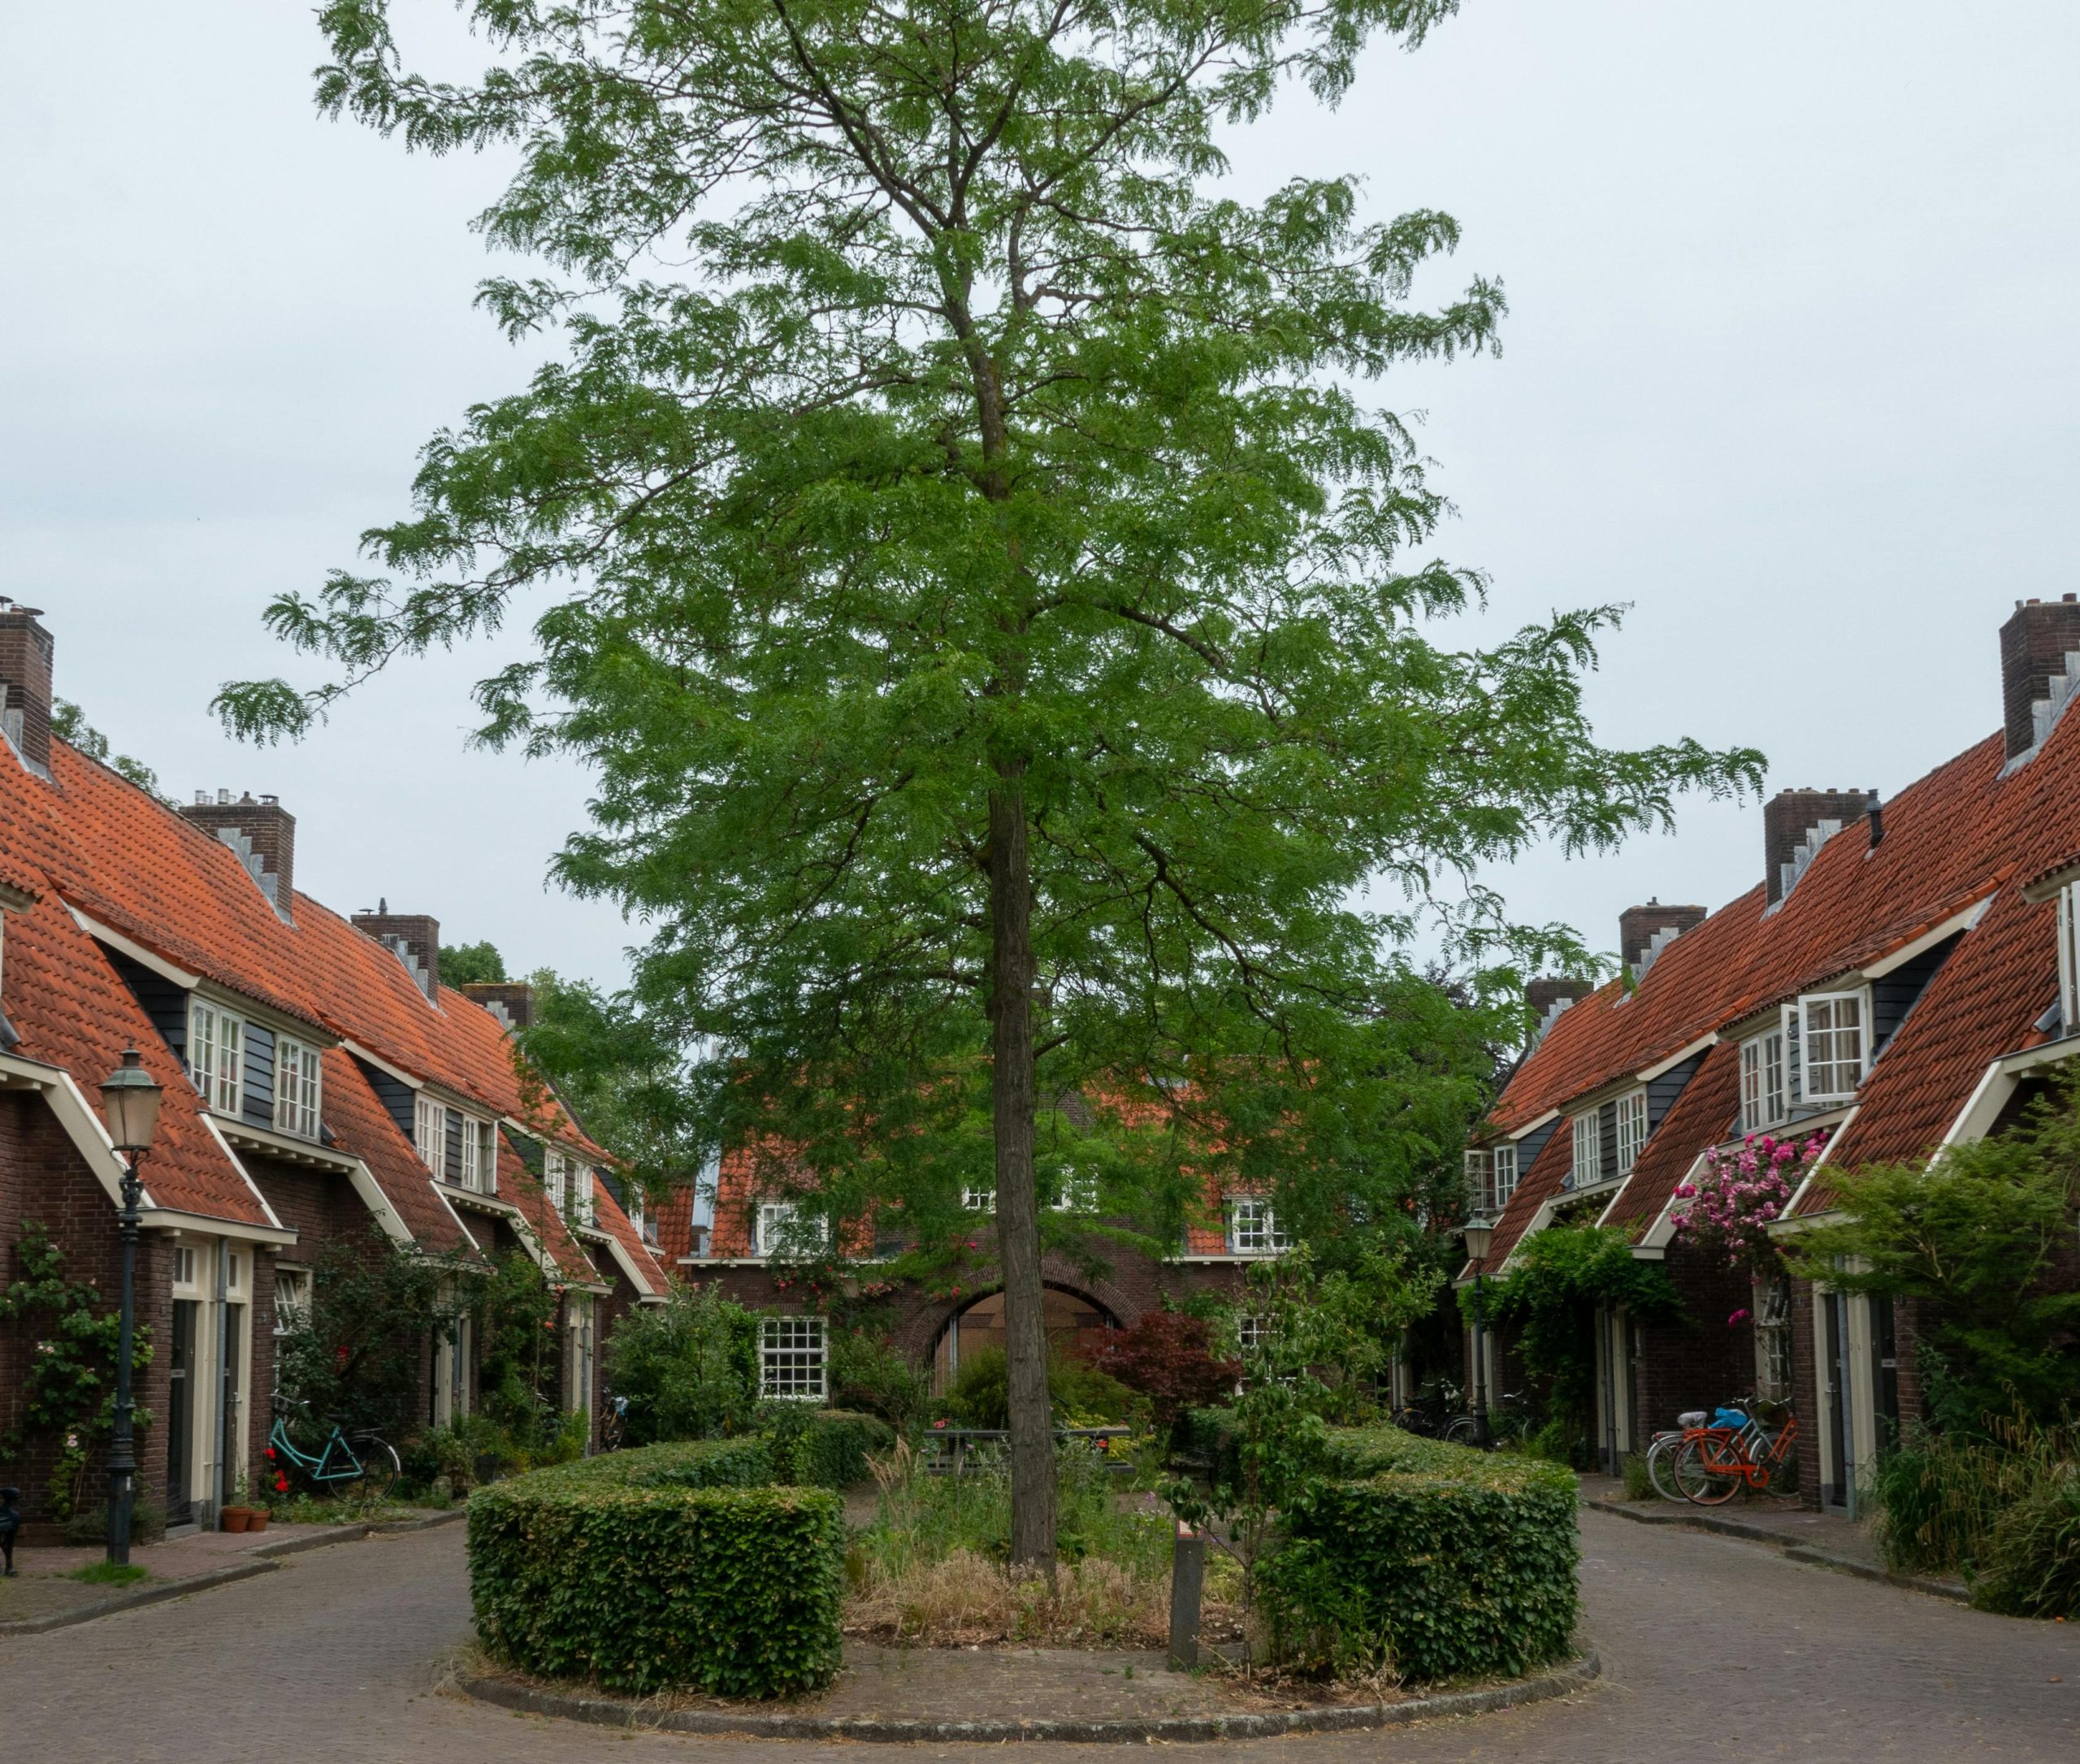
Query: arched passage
(1069, 1315)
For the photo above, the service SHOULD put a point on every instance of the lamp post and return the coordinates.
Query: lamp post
(1479, 1233)
(130, 1100)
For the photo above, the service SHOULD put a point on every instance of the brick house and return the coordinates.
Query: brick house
(317, 1078)
(1903, 978)
(749, 1226)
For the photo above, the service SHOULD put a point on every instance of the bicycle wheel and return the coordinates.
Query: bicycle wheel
(1776, 1473)
(1463, 1430)
(1696, 1473)
(380, 1468)
(1661, 1465)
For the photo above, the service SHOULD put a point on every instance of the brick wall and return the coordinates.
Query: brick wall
(43, 1179)
(1702, 1361)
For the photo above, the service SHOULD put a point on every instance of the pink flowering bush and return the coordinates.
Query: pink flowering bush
(1742, 1190)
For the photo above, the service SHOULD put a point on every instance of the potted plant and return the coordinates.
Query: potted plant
(235, 1515)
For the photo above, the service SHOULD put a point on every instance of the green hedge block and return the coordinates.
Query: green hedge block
(823, 1448)
(1431, 1560)
(1208, 1437)
(666, 1568)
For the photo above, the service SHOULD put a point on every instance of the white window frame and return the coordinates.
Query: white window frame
(793, 1359)
(1078, 1193)
(1837, 1064)
(569, 1183)
(1632, 1130)
(1504, 1177)
(1587, 1169)
(1480, 1179)
(1253, 1226)
(429, 1122)
(299, 1088)
(979, 1200)
(1252, 1330)
(2069, 959)
(210, 1028)
(783, 1230)
(293, 1288)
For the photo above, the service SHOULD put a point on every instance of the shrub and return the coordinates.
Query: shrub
(1427, 1560)
(1639, 1484)
(1168, 1358)
(667, 1566)
(1081, 1396)
(822, 1448)
(689, 1368)
(869, 1377)
(1211, 1440)
(2033, 1556)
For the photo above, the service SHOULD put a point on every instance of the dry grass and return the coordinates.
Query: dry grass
(964, 1599)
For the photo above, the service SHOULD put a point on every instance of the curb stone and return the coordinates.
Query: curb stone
(264, 1559)
(613, 1712)
(1792, 1548)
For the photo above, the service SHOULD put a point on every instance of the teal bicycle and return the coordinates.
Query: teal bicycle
(363, 1463)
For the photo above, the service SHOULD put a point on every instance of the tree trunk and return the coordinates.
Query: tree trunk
(1018, 1207)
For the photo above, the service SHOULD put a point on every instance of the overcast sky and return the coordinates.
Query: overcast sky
(1791, 366)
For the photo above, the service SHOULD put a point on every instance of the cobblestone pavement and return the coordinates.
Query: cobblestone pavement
(1713, 1649)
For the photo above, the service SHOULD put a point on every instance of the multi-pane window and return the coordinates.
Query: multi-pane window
(1078, 1193)
(1762, 1081)
(298, 1077)
(569, 1183)
(979, 1200)
(783, 1230)
(1632, 1130)
(292, 1298)
(1773, 1341)
(1833, 1044)
(430, 1132)
(183, 1266)
(1252, 1330)
(1504, 1165)
(1588, 1150)
(216, 1056)
(1252, 1228)
(790, 1357)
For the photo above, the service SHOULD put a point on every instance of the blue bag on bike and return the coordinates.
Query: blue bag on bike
(1732, 1418)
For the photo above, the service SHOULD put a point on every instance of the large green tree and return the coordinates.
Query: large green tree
(957, 535)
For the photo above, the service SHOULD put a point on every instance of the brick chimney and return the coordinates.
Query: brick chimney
(1549, 998)
(1796, 823)
(26, 652)
(512, 1002)
(2039, 666)
(261, 832)
(1644, 932)
(414, 938)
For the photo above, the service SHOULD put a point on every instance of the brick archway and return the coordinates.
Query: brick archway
(977, 1324)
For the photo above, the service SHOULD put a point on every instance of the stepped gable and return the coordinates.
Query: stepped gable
(1702, 1116)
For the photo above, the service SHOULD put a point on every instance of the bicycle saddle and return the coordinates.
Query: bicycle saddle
(1691, 1417)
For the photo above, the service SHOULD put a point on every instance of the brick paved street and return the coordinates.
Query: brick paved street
(335, 1657)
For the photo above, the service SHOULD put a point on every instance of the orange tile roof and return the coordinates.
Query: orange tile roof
(1705, 1113)
(90, 840)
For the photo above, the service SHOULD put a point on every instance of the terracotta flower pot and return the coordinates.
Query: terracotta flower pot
(234, 1519)
(256, 1519)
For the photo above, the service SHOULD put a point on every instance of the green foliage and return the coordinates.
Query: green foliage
(1639, 1483)
(67, 1382)
(109, 1574)
(1081, 1396)
(355, 1352)
(2000, 1506)
(1971, 1236)
(870, 1374)
(69, 723)
(1557, 1280)
(822, 1448)
(470, 965)
(1425, 1560)
(689, 1367)
(87, 1524)
(513, 1310)
(984, 580)
(647, 1571)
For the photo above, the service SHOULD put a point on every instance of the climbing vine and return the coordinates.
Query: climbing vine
(68, 1385)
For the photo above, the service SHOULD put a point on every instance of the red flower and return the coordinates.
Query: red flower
(281, 1482)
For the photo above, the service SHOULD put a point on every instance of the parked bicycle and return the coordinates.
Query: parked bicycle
(362, 1461)
(1715, 1463)
(1510, 1419)
(1431, 1410)
(613, 1424)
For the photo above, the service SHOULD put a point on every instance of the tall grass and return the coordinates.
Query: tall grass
(934, 1566)
(2003, 1510)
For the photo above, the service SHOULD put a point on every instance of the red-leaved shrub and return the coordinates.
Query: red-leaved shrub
(1168, 1358)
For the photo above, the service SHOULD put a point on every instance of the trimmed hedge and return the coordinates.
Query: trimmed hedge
(1429, 1560)
(669, 1567)
(822, 1448)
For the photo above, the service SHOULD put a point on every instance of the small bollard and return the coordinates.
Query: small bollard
(1187, 1581)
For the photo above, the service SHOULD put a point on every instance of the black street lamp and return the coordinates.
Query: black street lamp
(131, 1102)
(1479, 1233)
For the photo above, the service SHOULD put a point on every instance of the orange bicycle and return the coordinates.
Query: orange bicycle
(1712, 1465)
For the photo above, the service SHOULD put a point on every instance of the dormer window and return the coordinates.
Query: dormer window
(1762, 1102)
(2069, 959)
(1252, 1228)
(457, 1148)
(1632, 1130)
(783, 1230)
(299, 1077)
(569, 1183)
(1503, 1163)
(1588, 1149)
(1834, 1045)
(216, 1056)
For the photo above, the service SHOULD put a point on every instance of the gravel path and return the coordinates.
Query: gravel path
(1713, 1649)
